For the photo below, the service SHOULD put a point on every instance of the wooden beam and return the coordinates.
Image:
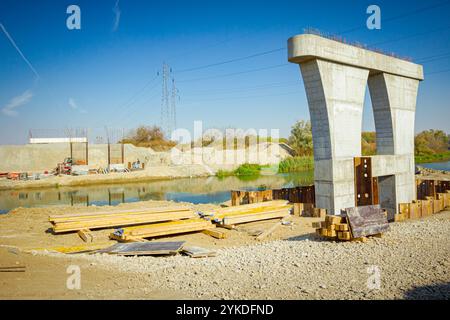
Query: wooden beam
(215, 233)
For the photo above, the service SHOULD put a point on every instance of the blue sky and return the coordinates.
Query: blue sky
(106, 73)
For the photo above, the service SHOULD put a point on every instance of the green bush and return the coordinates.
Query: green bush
(296, 164)
(244, 170)
(435, 157)
(248, 169)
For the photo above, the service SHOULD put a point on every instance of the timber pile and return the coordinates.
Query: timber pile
(423, 208)
(228, 217)
(334, 227)
(137, 233)
(108, 219)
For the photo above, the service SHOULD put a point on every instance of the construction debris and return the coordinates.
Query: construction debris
(144, 248)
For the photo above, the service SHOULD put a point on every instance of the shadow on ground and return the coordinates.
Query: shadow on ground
(430, 292)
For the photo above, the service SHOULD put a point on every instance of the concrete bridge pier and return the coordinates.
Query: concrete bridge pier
(394, 106)
(335, 75)
(335, 94)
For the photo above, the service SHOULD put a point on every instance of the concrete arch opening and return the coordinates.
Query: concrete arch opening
(335, 76)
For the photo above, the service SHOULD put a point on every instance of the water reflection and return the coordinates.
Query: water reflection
(195, 190)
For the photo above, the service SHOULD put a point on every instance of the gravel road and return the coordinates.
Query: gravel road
(411, 261)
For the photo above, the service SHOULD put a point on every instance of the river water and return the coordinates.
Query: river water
(437, 165)
(195, 190)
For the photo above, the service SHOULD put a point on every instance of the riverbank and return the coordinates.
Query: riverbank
(149, 174)
(435, 157)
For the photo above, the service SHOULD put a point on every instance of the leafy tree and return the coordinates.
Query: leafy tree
(430, 142)
(149, 136)
(301, 138)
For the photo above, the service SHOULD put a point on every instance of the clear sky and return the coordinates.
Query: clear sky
(106, 73)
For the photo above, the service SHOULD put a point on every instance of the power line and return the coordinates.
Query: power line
(240, 89)
(236, 73)
(409, 36)
(249, 97)
(128, 109)
(419, 10)
(436, 72)
(233, 60)
(433, 57)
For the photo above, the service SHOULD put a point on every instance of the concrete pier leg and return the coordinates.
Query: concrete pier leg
(394, 105)
(335, 94)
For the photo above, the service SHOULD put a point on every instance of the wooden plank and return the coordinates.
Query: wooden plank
(162, 229)
(229, 220)
(215, 233)
(122, 221)
(95, 214)
(366, 220)
(272, 228)
(85, 235)
(73, 249)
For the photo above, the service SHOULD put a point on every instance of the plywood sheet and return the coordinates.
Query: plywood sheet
(366, 220)
(144, 248)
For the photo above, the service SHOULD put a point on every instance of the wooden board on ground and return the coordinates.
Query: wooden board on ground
(144, 248)
(198, 252)
(267, 232)
(366, 220)
(215, 233)
(161, 229)
(230, 220)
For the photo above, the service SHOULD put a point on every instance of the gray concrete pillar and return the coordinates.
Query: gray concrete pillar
(394, 106)
(335, 94)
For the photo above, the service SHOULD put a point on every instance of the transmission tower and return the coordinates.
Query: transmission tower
(166, 124)
(173, 105)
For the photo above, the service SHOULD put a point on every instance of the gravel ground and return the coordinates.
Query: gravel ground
(412, 259)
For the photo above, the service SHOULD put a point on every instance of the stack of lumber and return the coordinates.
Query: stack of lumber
(230, 216)
(423, 208)
(333, 227)
(108, 219)
(161, 229)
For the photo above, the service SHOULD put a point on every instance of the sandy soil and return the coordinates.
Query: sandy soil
(413, 258)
